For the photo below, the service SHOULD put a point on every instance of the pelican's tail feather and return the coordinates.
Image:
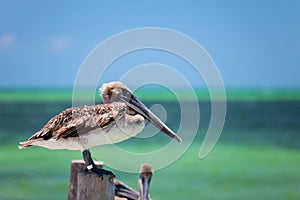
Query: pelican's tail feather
(23, 145)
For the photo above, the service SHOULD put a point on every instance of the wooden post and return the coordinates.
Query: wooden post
(86, 185)
(92, 187)
(76, 167)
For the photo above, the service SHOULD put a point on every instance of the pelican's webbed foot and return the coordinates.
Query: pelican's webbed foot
(91, 165)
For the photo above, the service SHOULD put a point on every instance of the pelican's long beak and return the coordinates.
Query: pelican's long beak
(134, 103)
(144, 186)
(144, 181)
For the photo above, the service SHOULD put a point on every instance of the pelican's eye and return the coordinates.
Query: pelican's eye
(126, 94)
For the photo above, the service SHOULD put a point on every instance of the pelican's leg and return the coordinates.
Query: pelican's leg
(91, 165)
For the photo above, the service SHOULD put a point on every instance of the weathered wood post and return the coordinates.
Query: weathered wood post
(91, 187)
(88, 185)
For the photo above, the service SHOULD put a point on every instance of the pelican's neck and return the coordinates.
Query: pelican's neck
(144, 187)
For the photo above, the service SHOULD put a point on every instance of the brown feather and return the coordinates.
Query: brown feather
(73, 120)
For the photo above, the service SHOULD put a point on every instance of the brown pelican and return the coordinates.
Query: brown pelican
(144, 181)
(121, 116)
(122, 191)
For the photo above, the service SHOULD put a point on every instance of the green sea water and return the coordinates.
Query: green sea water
(256, 157)
(160, 94)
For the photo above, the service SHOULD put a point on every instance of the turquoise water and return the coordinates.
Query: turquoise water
(250, 122)
(257, 155)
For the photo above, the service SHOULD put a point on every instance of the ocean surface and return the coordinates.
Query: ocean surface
(252, 122)
(258, 151)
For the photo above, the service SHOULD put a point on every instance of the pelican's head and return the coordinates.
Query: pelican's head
(118, 92)
(112, 92)
(144, 181)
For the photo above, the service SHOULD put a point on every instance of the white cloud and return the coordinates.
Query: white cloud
(59, 43)
(7, 40)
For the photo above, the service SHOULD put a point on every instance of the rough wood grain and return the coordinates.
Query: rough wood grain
(92, 187)
(76, 167)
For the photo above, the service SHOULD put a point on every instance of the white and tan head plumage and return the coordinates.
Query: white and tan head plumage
(111, 92)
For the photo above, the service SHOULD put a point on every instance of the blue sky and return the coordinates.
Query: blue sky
(253, 43)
